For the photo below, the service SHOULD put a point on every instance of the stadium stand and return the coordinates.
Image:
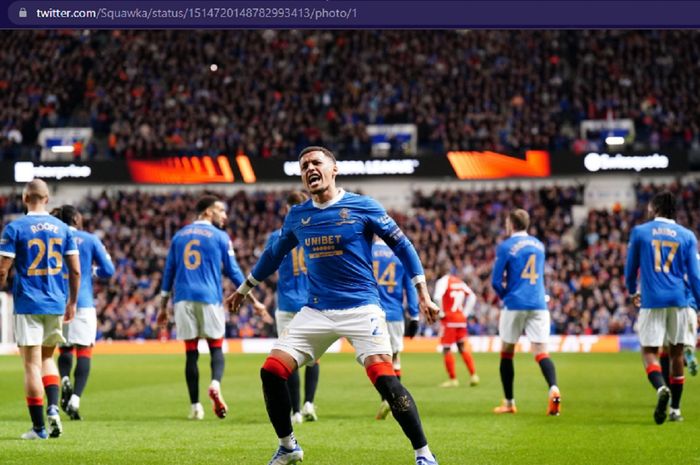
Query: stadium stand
(153, 93)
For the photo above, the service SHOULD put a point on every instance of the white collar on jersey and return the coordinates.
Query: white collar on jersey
(72, 228)
(333, 201)
(202, 222)
(664, 220)
(37, 213)
(519, 234)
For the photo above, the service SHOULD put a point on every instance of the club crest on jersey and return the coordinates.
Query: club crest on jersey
(344, 217)
(305, 221)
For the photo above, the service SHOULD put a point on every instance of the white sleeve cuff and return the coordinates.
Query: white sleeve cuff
(4, 253)
(420, 278)
(165, 293)
(252, 280)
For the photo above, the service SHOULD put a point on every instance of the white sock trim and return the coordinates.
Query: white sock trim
(288, 442)
(424, 452)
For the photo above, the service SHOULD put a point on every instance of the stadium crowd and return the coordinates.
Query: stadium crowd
(150, 93)
(584, 270)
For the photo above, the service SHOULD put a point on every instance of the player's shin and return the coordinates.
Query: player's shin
(217, 358)
(403, 407)
(654, 375)
(450, 364)
(82, 369)
(65, 361)
(665, 362)
(547, 367)
(36, 412)
(311, 376)
(676, 386)
(507, 371)
(191, 370)
(274, 375)
(51, 388)
(294, 391)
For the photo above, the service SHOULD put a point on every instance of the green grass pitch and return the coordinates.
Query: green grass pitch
(135, 410)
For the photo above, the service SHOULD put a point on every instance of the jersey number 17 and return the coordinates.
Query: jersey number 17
(658, 252)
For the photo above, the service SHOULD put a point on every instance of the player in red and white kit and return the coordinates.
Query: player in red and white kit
(456, 301)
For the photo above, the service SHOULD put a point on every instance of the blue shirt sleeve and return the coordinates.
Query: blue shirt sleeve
(693, 267)
(231, 268)
(7, 242)
(169, 273)
(275, 251)
(498, 269)
(632, 263)
(411, 296)
(71, 245)
(105, 267)
(385, 227)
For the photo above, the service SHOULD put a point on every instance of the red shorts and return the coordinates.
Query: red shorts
(453, 335)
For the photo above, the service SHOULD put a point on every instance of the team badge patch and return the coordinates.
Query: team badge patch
(345, 217)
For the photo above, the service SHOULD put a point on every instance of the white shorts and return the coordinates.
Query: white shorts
(535, 323)
(282, 319)
(83, 329)
(312, 332)
(38, 330)
(396, 330)
(660, 325)
(198, 319)
(692, 334)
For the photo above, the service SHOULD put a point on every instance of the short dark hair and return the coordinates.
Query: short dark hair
(316, 148)
(205, 202)
(296, 197)
(66, 213)
(664, 204)
(519, 219)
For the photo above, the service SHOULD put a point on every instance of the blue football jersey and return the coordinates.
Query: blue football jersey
(663, 254)
(91, 251)
(193, 266)
(393, 281)
(38, 243)
(520, 260)
(337, 238)
(692, 303)
(292, 282)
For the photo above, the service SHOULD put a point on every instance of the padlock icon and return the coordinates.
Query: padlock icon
(22, 12)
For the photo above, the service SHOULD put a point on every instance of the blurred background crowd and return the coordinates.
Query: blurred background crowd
(584, 268)
(270, 93)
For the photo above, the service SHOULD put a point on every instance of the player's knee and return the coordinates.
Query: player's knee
(67, 350)
(215, 343)
(191, 345)
(379, 370)
(274, 368)
(84, 352)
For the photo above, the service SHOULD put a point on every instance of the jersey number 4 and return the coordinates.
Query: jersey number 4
(34, 269)
(658, 247)
(530, 270)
